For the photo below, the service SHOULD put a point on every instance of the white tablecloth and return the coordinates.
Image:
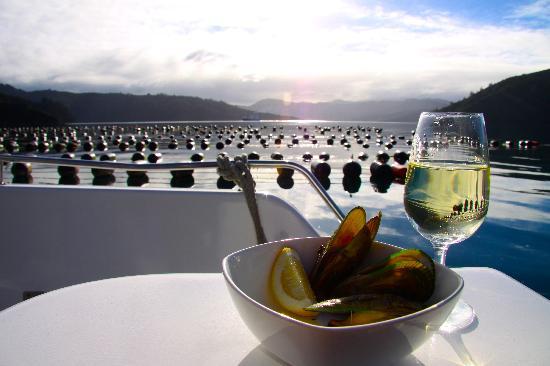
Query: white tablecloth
(188, 319)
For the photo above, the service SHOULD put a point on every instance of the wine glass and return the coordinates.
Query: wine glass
(447, 186)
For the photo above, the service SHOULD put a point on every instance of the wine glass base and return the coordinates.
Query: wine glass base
(461, 317)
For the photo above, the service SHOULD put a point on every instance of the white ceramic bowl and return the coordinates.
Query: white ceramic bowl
(299, 343)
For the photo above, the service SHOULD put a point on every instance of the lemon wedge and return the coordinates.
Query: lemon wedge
(289, 283)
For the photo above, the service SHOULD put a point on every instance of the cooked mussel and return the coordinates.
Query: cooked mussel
(408, 277)
(365, 309)
(409, 254)
(352, 224)
(358, 303)
(369, 316)
(343, 261)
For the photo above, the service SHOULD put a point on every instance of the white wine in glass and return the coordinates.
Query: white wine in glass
(448, 178)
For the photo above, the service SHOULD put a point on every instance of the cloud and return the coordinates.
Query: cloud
(539, 10)
(244, 50)
(202, 56)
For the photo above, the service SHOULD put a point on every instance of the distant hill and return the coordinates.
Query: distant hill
(382, 110)
(117, 107)
(17, 111)
(515, 108)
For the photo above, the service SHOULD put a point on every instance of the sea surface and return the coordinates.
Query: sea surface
(515, 237)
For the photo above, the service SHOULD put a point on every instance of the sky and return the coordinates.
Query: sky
(242, 51)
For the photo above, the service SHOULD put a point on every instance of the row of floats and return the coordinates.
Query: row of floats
(382, 174)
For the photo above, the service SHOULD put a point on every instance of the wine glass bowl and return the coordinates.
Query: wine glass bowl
(447, 186)
(447, 183)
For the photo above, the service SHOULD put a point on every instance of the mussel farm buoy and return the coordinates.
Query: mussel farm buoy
(21, 169)
(154, 157)
(225, 184)
(197, 157)
(352, 169)
(324, 156)
(138, 156)
(123, 146)
(97, 172)
(382, 157)
(253, 156)
(67, 170)
(400, 157)
(88, 156)
(320, 169)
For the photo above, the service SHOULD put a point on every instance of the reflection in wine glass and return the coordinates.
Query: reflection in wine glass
(447, 185)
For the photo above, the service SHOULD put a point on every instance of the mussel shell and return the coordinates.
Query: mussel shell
(365, 302)
(408, 278)
(348, 229)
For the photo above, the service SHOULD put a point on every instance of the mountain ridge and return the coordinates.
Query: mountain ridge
(119, 107)
(517, 107)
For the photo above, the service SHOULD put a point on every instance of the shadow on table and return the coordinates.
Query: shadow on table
(261, 356)
(456, 342)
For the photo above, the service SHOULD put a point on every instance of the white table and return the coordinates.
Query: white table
(188, 319)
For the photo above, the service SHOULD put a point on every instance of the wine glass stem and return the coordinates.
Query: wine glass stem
(440, 253)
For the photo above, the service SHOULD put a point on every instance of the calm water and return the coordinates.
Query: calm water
(515, 237)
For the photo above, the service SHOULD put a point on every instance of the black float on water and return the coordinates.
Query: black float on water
(153, 146)
(183, 181)
(225, 184)
(21, 172)
(137, 178)
(71, 180)
(352, 169)
(101, 146)
(351, 184)
(324, 156)
(88, 156)
(285, 181)
(67, 170)
(43, 147)
(123, 146)
(398, 167)
(286, 172)
(104, 180)
(31, 146)
(87, 146)
(307, 157)
(382, 157)
(381, 173)
(139, 146)
(137, 156)
(197, 157)
(72, 146)
(154, 157)
(59, 147)
(96, 172)
(320, 169)
(173, 144)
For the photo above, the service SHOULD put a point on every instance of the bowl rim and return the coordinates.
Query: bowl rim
(389, 322)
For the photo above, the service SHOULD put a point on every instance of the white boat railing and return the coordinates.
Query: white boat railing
(170, 167)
